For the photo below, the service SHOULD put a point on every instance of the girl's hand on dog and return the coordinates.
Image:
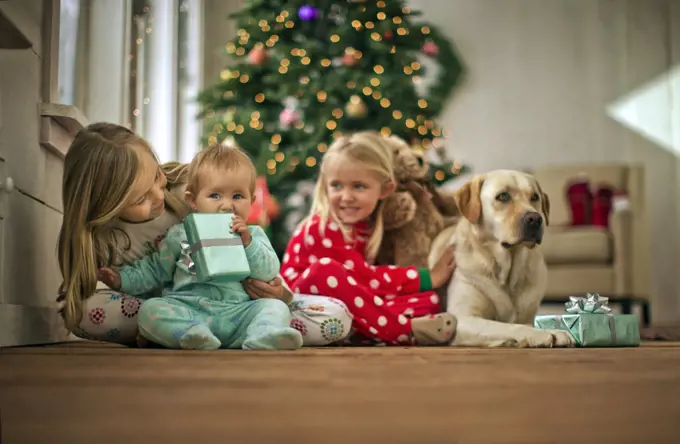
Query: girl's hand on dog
(238, 225)
(110, 277)
(443, 269)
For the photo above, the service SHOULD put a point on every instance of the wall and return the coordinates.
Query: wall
(31, 210)
(541, 75)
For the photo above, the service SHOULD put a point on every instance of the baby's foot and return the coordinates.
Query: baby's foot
(285, 338)
(290, 339)
(199, 337)
(436, 329)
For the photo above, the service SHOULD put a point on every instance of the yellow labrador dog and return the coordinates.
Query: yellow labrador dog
(501, 276)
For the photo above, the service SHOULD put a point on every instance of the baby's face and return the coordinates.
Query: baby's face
(223, 192)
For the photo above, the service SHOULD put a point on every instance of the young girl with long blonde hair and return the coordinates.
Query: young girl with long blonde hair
(333, 250)
(118, 204)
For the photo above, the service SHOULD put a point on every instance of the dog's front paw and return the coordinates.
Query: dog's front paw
(562, 338)
(546, 339)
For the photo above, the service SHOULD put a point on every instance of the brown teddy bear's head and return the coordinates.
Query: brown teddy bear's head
(409, 164)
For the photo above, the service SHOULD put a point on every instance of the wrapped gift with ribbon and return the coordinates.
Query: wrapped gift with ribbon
(591, 322)
(214, 252)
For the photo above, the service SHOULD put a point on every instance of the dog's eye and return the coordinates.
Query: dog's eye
(535, 197)
(503, 197)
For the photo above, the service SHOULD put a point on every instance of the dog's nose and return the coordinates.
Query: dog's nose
(532, 220)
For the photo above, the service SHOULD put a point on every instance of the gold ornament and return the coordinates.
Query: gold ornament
(356, 108)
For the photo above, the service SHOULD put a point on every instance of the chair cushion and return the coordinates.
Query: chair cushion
(571, 280)
(577, 245)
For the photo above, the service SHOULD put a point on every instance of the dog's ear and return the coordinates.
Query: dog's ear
(545, 204)
(468, 201)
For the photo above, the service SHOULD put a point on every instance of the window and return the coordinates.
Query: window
(166, 75)
(137, 63)
(69, 17)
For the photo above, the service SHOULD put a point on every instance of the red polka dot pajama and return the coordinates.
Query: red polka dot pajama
(382, 299)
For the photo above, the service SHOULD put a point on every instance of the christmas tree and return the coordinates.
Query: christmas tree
(302, 73)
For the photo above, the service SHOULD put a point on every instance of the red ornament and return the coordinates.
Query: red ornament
(388, 35)
(258, 55)
(349, 60)
(430, 48)
(265, 207)
(289, 116)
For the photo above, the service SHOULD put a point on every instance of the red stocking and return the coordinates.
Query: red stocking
(581, 201)
(602, 206)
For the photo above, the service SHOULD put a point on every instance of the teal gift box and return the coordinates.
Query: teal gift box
(216, 252)
(590, 321)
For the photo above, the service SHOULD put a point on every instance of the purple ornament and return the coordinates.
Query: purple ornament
(308, 13)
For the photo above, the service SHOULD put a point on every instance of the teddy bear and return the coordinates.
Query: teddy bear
(415, 213)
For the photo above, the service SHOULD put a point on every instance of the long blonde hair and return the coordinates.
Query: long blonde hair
(370, 150)
(100, 169)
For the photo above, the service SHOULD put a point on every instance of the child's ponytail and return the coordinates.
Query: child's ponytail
(177, 175)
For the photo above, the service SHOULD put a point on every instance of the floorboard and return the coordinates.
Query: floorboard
(82, 393)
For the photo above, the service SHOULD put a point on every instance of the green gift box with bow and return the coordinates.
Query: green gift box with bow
(592, 324)
(212, 250)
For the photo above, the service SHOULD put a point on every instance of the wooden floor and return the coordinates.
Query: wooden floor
(353, 396)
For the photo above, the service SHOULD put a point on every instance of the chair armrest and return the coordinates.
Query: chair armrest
(621, 228)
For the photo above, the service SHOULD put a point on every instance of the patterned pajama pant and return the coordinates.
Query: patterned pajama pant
(385, 319)
(206, 322)
(111, 316)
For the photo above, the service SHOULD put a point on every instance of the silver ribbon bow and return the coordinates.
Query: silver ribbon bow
(186, 257)
(591, 303)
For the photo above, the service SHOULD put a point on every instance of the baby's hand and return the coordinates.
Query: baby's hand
(110, 277)
(238, 225)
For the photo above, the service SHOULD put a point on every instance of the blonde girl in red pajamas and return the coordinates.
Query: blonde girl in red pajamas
(332, 251)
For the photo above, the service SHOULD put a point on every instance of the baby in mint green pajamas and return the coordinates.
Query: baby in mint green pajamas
(214, 314)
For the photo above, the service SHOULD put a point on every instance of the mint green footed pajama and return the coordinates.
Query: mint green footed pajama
(208, 315)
